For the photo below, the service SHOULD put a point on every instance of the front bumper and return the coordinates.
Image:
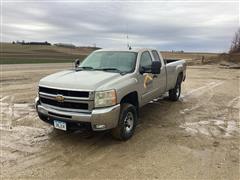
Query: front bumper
(100, 119)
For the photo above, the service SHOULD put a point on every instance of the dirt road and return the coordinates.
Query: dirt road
(194, 138)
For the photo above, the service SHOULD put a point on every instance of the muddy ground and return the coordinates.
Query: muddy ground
(194, 138)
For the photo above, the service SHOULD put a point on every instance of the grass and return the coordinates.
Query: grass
(23, 59)
(28, 54)
(33, 61)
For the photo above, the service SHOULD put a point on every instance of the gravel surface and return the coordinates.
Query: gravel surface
(194, 138)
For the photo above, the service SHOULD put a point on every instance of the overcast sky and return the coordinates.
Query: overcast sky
(165, 25)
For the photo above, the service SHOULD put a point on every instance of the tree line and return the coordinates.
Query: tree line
(235, 45)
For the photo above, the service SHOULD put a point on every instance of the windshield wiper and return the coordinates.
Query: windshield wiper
(84, 68)
(111, 69)
(108, 69)
(100, 69)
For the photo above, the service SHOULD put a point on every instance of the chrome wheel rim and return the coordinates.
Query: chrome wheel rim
(128, 122)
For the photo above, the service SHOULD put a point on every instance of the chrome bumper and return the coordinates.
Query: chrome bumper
(100, 119)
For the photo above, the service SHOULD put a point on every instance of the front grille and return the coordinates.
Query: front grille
(83, 94)
(70, 105)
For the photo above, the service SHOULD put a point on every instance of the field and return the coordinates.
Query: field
(25, 54)
(194, 138)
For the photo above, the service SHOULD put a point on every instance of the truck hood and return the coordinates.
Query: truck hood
(84, 80)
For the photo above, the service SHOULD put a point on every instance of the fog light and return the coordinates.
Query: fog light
(100, 126)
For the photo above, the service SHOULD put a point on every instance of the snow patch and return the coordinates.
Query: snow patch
(212, 127)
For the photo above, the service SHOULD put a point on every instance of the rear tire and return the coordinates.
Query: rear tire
(126, 123)
(175, 93)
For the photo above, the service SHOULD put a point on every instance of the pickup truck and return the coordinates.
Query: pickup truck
(106, 90)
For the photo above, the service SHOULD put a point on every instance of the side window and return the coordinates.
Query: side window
(146, 60)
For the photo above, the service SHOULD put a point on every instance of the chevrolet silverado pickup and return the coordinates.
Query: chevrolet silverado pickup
(106, 90)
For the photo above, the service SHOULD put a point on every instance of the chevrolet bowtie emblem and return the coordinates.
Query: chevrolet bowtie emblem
(60, 98)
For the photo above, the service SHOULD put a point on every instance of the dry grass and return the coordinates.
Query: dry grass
(21, 54)
(192, 57)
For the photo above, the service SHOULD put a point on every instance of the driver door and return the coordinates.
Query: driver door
(146, 79)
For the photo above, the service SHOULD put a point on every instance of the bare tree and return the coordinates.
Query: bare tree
(235, 46)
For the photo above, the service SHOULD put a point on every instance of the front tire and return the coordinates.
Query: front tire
(127, 122)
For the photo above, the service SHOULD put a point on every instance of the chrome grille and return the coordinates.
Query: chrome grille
(69, 105)
(71, 100)
(83, 94)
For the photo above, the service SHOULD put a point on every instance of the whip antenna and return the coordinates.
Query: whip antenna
(128, 45)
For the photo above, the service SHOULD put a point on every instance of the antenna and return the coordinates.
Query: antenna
(128, 45)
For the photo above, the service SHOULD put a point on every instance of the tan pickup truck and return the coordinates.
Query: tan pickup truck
(107, 89)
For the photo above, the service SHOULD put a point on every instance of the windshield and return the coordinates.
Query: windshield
(111, 60)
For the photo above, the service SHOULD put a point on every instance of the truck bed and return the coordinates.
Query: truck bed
(173, 67)
(170, 60)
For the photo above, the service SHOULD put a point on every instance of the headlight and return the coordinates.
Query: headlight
(105, 98)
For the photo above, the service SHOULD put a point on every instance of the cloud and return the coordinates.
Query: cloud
(166, 25)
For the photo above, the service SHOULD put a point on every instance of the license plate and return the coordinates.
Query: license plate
(60, 125)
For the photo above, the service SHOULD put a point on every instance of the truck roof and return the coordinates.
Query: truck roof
(125, 49)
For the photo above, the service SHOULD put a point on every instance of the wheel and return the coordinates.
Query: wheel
(175, 93)
(126, 123)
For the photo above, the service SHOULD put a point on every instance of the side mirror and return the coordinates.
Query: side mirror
(156, 65)
(76, 63)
